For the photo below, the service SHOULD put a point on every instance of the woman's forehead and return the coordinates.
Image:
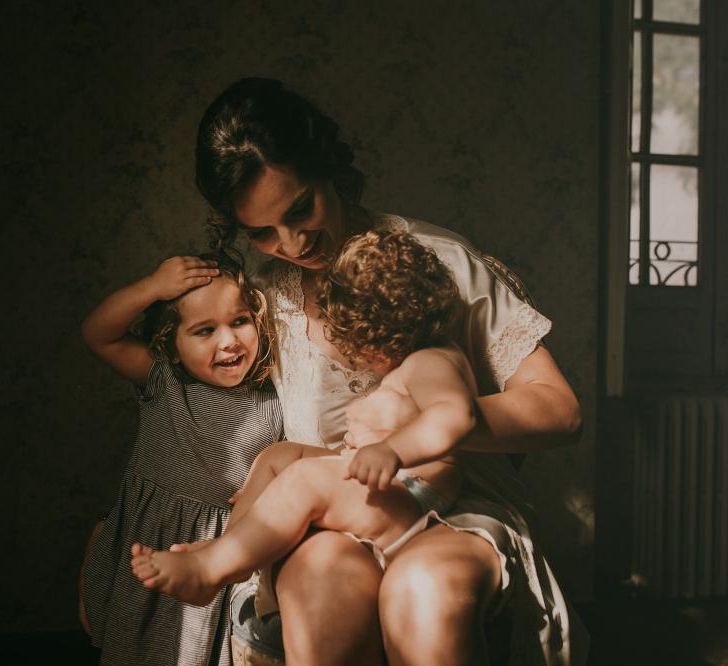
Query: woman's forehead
(266, 200)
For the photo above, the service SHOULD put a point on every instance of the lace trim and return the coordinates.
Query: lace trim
(308, 381)
(515, 342)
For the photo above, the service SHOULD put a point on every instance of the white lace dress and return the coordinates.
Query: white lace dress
(496, 331)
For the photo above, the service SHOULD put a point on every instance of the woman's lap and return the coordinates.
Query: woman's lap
(327, 591)
(330, 599)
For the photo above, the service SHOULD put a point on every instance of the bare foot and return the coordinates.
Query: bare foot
(179, 575)
(140, 549)
(189, 547)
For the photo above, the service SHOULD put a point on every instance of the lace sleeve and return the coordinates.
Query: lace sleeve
(499, 325)
(516, 340)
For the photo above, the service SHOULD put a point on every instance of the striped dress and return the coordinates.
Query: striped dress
(194, 449)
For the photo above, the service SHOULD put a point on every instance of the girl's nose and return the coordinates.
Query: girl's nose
(227, 339)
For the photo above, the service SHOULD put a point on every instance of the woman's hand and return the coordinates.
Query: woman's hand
(178, 275)
(374, 466)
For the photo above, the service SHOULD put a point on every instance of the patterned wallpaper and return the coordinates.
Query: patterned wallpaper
(478, 116)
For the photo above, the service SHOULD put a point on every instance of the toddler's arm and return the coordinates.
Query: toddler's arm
(438, 382)
(106, 329)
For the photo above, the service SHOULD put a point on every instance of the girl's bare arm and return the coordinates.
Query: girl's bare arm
(106, 329)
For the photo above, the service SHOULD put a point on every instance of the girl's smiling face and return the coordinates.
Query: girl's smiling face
(290, 219)
(216, 339)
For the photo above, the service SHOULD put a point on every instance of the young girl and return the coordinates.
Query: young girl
(205, 415)
(387, 301)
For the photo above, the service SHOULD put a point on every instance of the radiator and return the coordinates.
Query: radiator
(680, 519)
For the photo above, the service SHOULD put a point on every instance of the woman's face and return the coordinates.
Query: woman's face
(284, 217)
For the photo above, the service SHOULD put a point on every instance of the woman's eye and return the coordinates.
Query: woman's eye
(303, 209)
(259, 233)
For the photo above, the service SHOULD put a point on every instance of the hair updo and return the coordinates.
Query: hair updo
(258, 122)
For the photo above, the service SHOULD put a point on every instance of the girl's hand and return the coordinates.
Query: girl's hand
(177, 275)
(374, 466)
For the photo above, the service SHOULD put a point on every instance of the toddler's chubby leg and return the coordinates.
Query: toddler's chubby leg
(266, 467)
(307, 492)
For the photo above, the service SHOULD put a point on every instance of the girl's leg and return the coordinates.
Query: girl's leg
(310, 491)
(327, 591)
(433, 595)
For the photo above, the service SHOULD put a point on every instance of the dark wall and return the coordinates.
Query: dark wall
(479, 116)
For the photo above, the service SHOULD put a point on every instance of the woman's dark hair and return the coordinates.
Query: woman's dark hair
(161, 319)
(258, 122)
(385, 296)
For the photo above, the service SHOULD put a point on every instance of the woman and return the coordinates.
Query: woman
(270, 164)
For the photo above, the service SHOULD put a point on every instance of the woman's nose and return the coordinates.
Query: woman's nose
(290, 241)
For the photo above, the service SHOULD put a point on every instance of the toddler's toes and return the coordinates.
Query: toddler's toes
(179, 547)
(144, 570)
(140, 549)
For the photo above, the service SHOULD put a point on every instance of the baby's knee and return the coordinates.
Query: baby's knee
(278, 456)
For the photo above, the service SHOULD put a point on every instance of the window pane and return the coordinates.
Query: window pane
(676, 89)
(678, 11)
(638, 9)
(634, 226)
(673, 225)
(636, 90)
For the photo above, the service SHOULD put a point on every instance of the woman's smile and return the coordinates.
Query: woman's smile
(288, 218)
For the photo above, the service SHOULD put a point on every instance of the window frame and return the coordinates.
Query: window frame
(628, 364)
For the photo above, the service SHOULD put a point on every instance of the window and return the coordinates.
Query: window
(665, 133)
(666, 198)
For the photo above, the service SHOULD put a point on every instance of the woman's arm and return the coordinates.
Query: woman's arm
(106, 329)
(537, 410)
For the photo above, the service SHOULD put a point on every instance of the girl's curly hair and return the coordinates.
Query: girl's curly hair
(386, 296)
(161, 319)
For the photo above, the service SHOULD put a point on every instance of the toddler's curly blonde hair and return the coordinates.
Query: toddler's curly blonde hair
(385, 296)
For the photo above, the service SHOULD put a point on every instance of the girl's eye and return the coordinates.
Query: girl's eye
(242, 321)
(203, 331)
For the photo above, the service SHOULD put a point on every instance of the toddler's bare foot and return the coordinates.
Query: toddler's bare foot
(180, 575)
(189, 547)
(140, 549)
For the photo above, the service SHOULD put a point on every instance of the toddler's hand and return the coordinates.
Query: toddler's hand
(177, 275)
(374, 466)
